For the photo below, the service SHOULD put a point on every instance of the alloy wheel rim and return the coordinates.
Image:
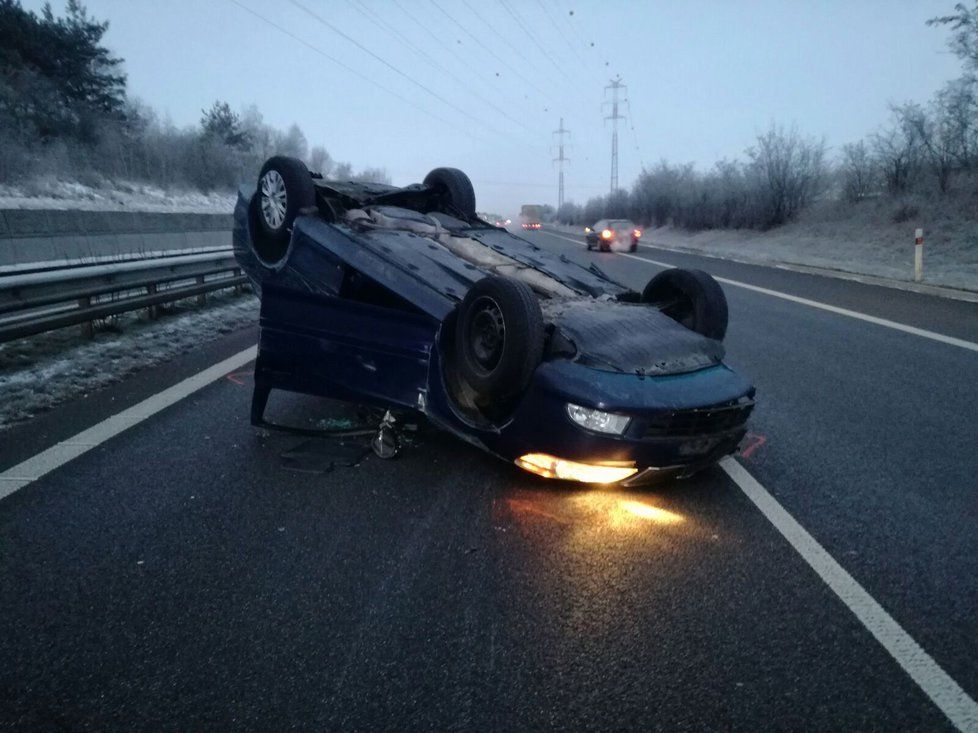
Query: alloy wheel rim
(273, 199)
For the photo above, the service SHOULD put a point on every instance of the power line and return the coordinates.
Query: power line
(393, 68)
(503, 38)
(638, 150)
(353, 71)
(574, 53)
(525, 184)
(522, 24)
(373, 17)
(484, 46)
(584, 57)
(514, 48)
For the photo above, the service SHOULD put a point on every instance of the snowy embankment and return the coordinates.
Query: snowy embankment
(122, 196)
(861, 244)
(40, 372)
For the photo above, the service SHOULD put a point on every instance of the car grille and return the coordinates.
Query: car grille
(699, 421)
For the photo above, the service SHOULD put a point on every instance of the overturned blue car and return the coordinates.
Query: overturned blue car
(402, 298)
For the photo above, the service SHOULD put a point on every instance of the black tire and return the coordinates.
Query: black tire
(692, 298)
(498, 340)
(285, 189)
(454, 190)
(634, 247)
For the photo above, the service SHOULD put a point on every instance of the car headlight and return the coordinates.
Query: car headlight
(597, 420)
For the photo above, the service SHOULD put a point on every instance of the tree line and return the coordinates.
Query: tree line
(930, 147)
(65, 112)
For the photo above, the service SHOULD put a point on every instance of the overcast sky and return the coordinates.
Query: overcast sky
(490, 79)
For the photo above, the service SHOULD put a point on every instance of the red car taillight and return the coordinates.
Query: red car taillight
(607, 234)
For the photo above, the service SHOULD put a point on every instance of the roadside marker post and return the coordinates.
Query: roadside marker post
(918, 255)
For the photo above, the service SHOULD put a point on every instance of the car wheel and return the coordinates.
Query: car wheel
(498, 340)
(285, 189)
(454, 189)
(692, 298)
(634, 247)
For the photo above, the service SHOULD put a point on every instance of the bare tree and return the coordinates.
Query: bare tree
(939, 139)
(898, 151)
(570, 213)
(594, 210)
(343, 172)
(372, 175)
(789, 171)
(860, 174)
(964, 39)
(957, 108)
(320, 161)
(292, 143)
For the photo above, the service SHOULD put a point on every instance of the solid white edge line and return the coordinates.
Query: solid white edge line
(923, 333)
(946, 694)
(19, 476)
(940, 687)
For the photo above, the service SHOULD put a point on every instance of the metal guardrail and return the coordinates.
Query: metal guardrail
(35, 302)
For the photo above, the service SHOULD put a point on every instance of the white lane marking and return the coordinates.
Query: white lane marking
(19, 476)
(947, 694)
(923, 333)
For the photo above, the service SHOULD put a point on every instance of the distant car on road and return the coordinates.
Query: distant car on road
(405, 300)
(609, 234)
(495, 219)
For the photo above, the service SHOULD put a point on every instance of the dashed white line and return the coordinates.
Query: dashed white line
(19, 476)
(921, 332)
(945, 693)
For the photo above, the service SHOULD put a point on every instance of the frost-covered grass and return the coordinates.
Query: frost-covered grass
(40, 372)
(55, 193)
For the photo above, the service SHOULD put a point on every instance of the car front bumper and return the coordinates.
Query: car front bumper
(678, 423)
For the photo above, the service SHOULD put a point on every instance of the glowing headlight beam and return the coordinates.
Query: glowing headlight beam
(589, 473)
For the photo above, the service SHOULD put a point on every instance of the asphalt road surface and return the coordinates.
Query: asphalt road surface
(185, 571)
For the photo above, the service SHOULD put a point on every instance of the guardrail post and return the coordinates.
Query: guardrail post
(918, 255)
(202, 298)
(238, 289)
(87, 328)
(154, 310)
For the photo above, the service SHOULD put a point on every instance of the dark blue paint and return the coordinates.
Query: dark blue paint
(342, 320)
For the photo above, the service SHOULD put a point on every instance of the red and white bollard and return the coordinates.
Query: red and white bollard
(918, 255)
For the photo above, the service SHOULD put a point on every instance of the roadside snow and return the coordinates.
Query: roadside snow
(944, 263)
(866, 242)
(51, 193)
(40, 372)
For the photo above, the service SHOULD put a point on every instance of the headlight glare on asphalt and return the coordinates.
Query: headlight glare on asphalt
(590, 473)
(597, 420)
